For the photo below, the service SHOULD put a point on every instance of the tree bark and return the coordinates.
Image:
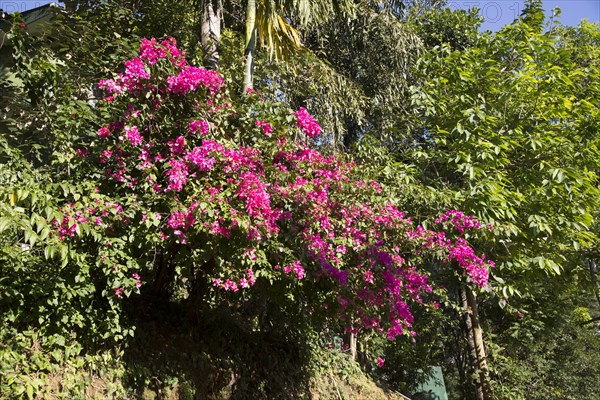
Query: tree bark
(197, 294)
(484, 383)
(210, 31)
(250, 44)
(471, 341)
(165, 273)
(594, 277)
(353, 346)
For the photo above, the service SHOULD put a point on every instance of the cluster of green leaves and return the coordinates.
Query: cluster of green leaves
(50, 305)
(510, 132)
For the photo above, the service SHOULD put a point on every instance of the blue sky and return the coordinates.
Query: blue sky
(496, 13)
(13, 6)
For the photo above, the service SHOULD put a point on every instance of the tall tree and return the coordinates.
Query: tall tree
(510, 134)
(275, 24)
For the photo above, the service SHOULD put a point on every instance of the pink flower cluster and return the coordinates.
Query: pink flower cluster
(136, 74)
(135, 70)
(190, 78)
(199, 156)
(177, 175)
(475, 266)
(258, 200)
(113, 86)
(307, 123)
(66, 228)
(104, 132)
(296, 268)
(138, 284)
(181, 221)
(230, 285)
(459, 220)
(198, 125)
(267, 128)
(133, 135)
(151, 51)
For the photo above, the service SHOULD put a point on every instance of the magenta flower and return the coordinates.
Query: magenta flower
(138, 284)
(307, 123)
(135, 70)
(151, 51)
(199, 157)
(198, 125)
(81, 152)
(296, 268)
(66, 228)
(190, 78)
(266, 127)
(112, 86)
(133, 135)
(177, 175)
(177, 145)
(103, 132)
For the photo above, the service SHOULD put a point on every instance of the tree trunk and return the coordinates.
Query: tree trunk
(250, 44)
(472, 356)
(353, 346)
(210, 31)
(482, 368)
(197, 295)
(594, 278)
(165, 273)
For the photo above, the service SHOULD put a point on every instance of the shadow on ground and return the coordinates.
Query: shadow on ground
(218, 356)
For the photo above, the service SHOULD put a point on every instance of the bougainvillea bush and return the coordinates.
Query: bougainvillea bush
(219, 191)
(185, 190)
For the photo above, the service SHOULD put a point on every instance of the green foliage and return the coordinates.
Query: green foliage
(559, 363)
(369, 58)
(455, 28)
(52, 314)
(50, 107)
(510, 131)
(37, 365)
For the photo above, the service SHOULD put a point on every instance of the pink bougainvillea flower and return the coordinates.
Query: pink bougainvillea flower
(103, 132)
(198, 125)
(296, 268)
(135, 70)
(307, 123)
(190, 78)
(133, 135)
(151, 51)
(333, 219)
(112, 86)
(266, 127)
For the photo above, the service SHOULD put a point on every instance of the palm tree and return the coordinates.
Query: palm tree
(211, 14)
(272, 21)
